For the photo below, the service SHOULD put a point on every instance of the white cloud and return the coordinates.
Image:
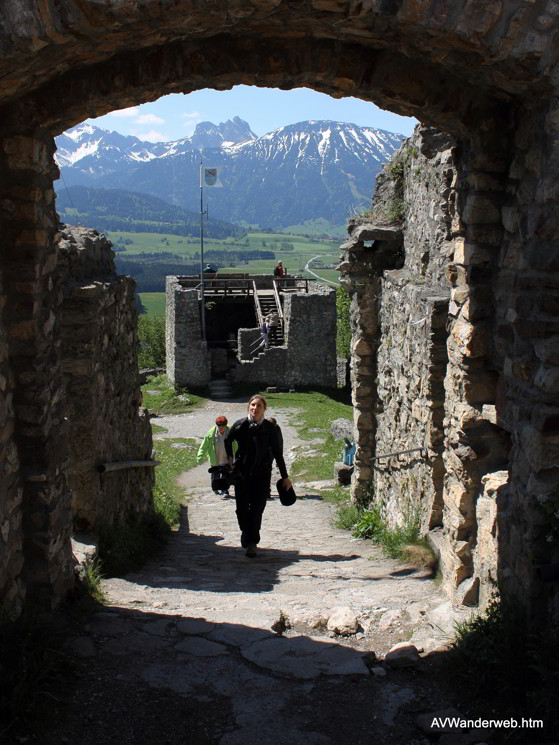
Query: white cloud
(151, 136)
(149, 119)
(132, 111)
(192, 115)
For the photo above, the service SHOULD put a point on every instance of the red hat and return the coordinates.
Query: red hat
(221, 420)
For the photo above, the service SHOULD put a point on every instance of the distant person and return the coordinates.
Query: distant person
(272, 320)
(259, 445)
(264, 338)
(213, 449)
(279, 271)
(209, 269)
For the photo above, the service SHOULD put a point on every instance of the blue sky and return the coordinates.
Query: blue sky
(265, 109)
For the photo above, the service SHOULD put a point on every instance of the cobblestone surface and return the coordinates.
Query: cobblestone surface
(242, 643)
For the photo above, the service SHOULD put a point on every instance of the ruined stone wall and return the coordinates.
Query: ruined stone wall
(524, 350)
(413, 307)
(308, 357)
(411, 368)
(36, 520)
(12, 590)
(102, 403)
(188, 361)
(421, 380)
(70, 405)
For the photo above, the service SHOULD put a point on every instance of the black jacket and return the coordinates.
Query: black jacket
(258, 446)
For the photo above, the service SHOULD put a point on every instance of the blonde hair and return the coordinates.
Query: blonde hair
(257, 395)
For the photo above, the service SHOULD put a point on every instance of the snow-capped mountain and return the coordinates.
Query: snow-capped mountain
(300, 172)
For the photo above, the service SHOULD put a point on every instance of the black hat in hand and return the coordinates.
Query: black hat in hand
(287, 496)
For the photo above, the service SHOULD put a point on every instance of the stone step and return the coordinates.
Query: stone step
(220, 388)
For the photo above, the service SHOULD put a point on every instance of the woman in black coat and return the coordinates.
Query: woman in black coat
(258, 445)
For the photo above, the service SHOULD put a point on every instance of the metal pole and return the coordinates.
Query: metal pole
(202, 306)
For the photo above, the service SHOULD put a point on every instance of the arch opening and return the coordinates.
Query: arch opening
(476, 82)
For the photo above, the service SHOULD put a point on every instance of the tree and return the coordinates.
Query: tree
(151, 340)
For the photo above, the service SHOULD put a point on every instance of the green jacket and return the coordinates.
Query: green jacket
(206, 450)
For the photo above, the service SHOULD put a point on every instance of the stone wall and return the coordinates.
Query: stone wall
(411, 369)
(64, 410)
(420, 383)
(188, 361)
(308, 357)
(413, 309)
(105, 423)
(12, 590)
(35, 509)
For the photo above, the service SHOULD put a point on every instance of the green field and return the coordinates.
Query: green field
(293, 250)
(153, 302)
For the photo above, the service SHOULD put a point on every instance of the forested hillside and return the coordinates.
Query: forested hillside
(134, 212)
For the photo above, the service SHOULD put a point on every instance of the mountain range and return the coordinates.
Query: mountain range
(297, 173)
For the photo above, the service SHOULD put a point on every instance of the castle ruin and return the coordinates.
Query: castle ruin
(484, 73)
(302, 352)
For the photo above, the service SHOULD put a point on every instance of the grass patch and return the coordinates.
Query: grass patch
(318, 468)
(315, 411)
(403, 543)
(346, 513)
(160, 397)
(504, 667)
(153, 302)
(91, 578)
(175, 460)
(346, 516)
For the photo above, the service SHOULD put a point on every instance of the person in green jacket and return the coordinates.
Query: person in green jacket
(213, 449)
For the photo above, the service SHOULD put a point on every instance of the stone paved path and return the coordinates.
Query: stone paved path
(195, 631)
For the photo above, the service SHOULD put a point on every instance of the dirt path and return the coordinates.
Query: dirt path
(187, 650)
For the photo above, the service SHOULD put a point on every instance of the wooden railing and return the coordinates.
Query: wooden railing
(221, 287)
(278, 301)
(259, 316)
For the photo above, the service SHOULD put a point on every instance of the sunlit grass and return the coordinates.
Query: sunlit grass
(153, 302)
(160, 397)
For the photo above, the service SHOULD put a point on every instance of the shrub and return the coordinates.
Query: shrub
(151, 341)
(343, 327)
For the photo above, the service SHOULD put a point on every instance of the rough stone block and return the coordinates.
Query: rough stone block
(343, 473)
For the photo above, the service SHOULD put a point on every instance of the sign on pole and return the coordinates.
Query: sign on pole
(210, 176)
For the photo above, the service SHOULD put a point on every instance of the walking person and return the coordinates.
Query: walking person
(272, 321)
(264, 340)
(258, 445)
(213, 449)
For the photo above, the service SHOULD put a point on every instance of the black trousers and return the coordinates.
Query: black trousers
(251, 496)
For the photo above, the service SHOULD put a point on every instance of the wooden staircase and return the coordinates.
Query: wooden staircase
(268, 304)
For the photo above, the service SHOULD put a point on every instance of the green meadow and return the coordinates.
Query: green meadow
(153, 302)
(295, 251)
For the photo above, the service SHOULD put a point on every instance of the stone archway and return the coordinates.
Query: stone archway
(483, 73)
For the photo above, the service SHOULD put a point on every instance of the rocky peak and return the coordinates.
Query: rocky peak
(232, 131)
